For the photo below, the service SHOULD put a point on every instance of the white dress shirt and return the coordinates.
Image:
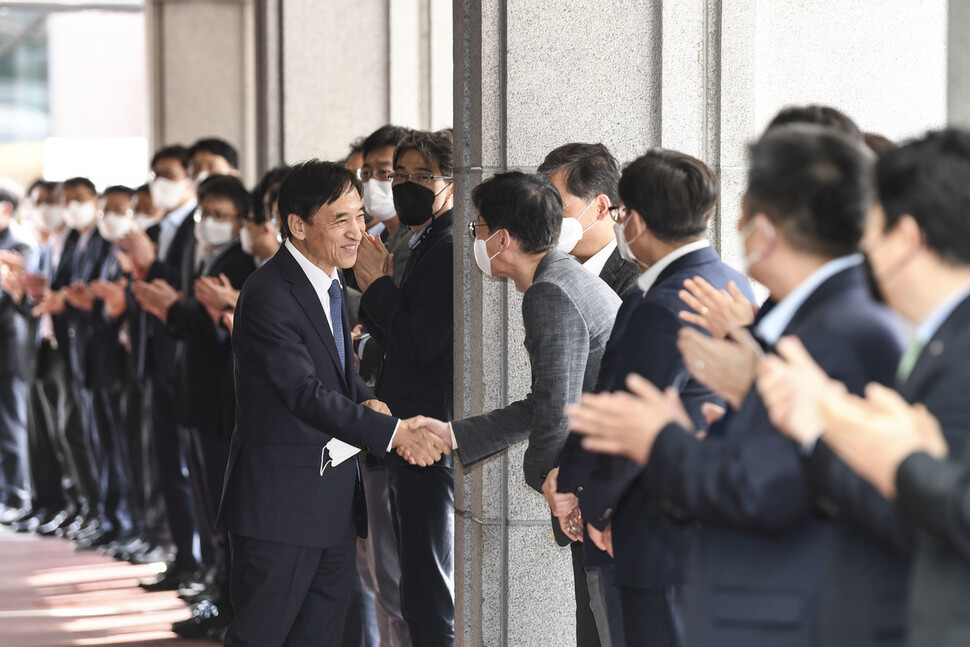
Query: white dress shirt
(595, 263)
(170, 224)
(648, 278)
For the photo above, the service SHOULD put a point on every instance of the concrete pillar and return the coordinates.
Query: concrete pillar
(701, 76)
(202, 77)
(958, 64)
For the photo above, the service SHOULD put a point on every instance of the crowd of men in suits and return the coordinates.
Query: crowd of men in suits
(247, 384)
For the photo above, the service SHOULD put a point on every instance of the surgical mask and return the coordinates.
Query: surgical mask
(114, 226)
(49, 217)
(622, 244)
(213, 232)
(246, 240)
(572, 231)
(145, 221)
(199, 179)
(166, 193)
(414, 203)
(379, 199)
(482, 259)
(80, 215)
(754, 257)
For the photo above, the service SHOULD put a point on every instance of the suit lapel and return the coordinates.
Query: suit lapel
(953, 326)
(302, 290)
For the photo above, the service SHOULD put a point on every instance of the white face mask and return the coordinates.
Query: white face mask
(213, 232)
(626, 252)
(166, 193)
(755, 256)
(114, 226)
(49, 217)
(379, 199)
(80, 215)
(246, 240)
(572, 231)
(145, 221)
(482, 259)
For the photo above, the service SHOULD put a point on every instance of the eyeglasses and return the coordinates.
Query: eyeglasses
(618, 213)
(420, 178)
(200, 214)
(473, 228)
(364, 175)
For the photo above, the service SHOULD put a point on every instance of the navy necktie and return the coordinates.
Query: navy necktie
(336, 318)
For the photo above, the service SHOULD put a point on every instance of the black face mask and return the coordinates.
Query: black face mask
(871, 281)
(413, 203)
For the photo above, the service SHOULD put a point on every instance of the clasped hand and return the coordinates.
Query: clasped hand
(422, 441)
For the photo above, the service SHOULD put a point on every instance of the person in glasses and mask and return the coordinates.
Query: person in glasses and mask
(567, 314)
(587, 176)
(413, 324)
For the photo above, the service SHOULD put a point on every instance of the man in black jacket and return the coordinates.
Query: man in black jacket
(414, 326)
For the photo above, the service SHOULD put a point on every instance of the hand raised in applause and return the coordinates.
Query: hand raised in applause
(156, 297)
(624, 423)
(11, 282)
(792, 387)
(875, 434)
(113, 295)
(80, 295)
(725, 366)
(417, 443)
(141, 251)
(717, 311)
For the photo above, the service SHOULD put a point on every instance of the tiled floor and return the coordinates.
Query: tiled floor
(54, 596)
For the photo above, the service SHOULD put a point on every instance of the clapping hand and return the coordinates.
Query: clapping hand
(725, 366)
(141, 251)
(156, 297)
(792, 387)
(81, 296)
(719, 312)
(875, 434)
(421, 441)
(627, 424)
(113, 295)
(216, 292)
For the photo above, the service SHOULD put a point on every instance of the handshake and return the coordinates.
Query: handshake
(419, 440)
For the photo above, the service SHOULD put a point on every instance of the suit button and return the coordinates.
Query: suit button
(606, 514)
(70, 332)
(579, 489)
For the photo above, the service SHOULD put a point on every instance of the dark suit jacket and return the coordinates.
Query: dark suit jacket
(781, 557)
(568, 314)
(292, 397)
(13, 327)
(934, 497)
(649, 547)
(414, 325)
(84, 330)
(620, 275)
(158, 347)
(203, 349)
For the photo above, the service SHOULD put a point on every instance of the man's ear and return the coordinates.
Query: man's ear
(297, 226)
(909, 229)
(602, 206)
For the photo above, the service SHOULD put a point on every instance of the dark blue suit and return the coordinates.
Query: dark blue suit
(292, 518)
(649, 546)
(781, 558)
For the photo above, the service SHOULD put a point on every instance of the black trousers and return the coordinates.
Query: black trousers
(115, 473)
(290, 596)
(586, 634)
(423, 512)
(46, 465)
(173, 473)
(208, 457)
(652, 617)
(13, 441)
(54, 410)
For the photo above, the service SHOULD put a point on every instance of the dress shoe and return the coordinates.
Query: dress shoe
(122, 547)
(12, 515)
(149, 554)
(207, 617)
(104, 535)
(31, 523)
(169, 580)
(196, 584)
(50, 527)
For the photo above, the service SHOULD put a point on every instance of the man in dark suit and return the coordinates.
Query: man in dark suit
(779, 557)
(667, 199)
(414, 326)
(14, 496)
(587, 176)
(171, 191)
(292, 501)
(917, 243)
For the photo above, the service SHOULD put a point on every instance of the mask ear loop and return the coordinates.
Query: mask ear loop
(324, 463)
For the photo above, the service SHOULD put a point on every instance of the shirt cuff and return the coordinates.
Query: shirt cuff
(390, 443)
(454, 440)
